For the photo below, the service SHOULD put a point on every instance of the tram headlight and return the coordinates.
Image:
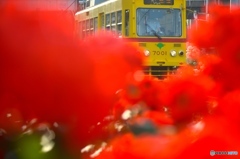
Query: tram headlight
(173, 53)
(146, 52)
(181, 53)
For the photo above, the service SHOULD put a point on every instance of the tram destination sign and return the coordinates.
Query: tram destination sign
(159, 2)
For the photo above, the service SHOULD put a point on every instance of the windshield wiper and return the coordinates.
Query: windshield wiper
(154, 32)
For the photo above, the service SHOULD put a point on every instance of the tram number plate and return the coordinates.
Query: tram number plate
(159, 52)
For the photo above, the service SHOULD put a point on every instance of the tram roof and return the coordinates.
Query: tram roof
(93, 7)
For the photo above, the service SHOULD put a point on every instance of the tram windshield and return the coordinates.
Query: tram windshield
(163, 22)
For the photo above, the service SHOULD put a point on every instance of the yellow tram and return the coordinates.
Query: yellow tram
(159, 26)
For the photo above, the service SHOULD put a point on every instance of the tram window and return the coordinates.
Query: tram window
(88, 24)
(119, 17)
(87, 27)
(91, 32)
(107, 20)
(161, 21)
(83, 29)
(113, 18)
(83, 34)
(119, 23)
(83, 25)
(178, 24)
(113, 28)
(95, 24)
(80, 26)
(80, 29)
(119, 29)
(102, 20)
(91, 23)
(91, 27)
(126, 22)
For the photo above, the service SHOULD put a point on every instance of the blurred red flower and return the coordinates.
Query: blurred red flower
(187, 95)
(146, 90)
(211, 133)
(229, 106)
(160, 118)
(224, 40)
(222, 21)
(46, 74)
(144, 147)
